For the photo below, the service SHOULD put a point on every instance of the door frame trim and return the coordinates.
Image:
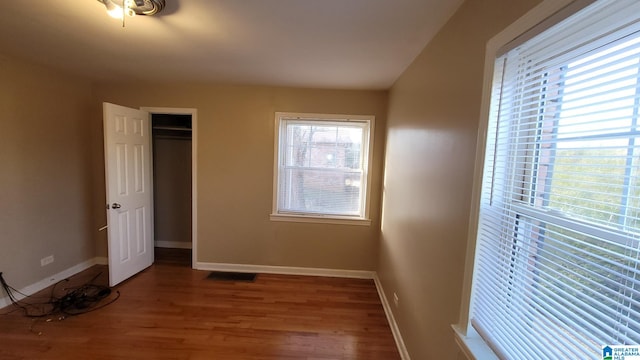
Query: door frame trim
(194, 168)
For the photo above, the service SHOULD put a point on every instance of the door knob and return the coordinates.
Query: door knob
(115, 206)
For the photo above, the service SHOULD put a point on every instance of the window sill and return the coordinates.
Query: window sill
(320, 219)
(472, 345)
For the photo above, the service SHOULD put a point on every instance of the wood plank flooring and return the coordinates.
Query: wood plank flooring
(170, 311)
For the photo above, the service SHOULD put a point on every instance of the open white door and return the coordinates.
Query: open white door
(127, 148)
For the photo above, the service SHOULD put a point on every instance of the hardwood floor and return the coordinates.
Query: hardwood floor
(170, 256)
(170, 311)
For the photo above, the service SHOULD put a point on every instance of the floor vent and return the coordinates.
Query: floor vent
(232, 276)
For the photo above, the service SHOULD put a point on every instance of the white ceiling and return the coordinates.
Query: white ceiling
(354, 44)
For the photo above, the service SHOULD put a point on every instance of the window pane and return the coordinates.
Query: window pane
(593, 278)
(324, 146)
(589, 182)
(322, 191)
(297, 145)
(587, 165)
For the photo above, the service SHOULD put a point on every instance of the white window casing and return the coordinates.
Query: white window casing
(322, 168)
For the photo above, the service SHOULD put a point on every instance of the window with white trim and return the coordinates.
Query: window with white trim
(322, 167)
(557, 266)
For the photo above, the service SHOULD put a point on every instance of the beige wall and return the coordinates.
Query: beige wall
(45, 182)
(431, 137)
(235, 134)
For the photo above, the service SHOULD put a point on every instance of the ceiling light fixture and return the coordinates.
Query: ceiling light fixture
(120, 9)
(117, 11)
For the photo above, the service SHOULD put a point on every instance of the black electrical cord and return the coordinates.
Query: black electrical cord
(76, 301)
(19, 304)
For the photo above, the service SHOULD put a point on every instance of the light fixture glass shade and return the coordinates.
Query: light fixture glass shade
(115, 11)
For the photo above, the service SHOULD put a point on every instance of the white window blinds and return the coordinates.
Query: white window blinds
(558, 250)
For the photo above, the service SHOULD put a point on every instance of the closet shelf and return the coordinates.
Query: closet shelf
(172, 128)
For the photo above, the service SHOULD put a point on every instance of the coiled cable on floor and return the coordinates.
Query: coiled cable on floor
(76, 301)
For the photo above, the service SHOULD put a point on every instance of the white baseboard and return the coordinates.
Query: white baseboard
(404, 354)
(50, 280)
(285, 270)
(173, 244)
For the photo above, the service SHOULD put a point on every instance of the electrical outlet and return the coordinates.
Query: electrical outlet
(46, 260)
(395, 299)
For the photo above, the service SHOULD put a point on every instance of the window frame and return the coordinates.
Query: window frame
(469, 341)
(544, 15)
(367, 158)
(537, 215)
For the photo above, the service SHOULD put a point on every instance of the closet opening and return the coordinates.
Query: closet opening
(172, 188)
